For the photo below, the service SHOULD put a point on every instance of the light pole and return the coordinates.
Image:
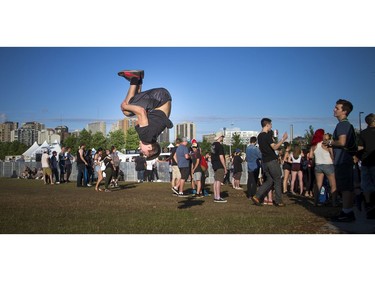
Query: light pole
(291, 133)
(360, 127)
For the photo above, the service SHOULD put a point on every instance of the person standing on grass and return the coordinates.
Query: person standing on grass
(323, 158)
(253, 158)
(109, 168)
(344, 146)
(61, 157)
(81, 166)
(176, 175)
(196, 169)
(54, 167)
(237, 169)
(366, 147)
(97, 167)
(46, 166)
(68, 164)
(270, 164)
(182, 157)
(140, 167)
(218, 165)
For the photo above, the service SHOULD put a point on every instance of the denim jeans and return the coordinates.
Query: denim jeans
(81, 174)
(273, 178)
(140, 175)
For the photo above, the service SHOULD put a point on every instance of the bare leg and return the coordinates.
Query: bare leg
(133, 89)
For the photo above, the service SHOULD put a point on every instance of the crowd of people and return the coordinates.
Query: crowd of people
(335, 169)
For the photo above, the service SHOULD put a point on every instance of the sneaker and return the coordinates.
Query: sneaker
(220, 200)
(158, 181)
(193, 191)
(279, 204)
(107, 190)
(174, 190)
(89, 185)
(344, 217)
(256, 201)
(181, 194)
(129, 74)
(198, 195)
(205, 193)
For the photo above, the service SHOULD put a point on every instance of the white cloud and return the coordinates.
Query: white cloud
(3, 117)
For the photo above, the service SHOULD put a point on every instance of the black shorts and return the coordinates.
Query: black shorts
(344, 177)
(296, 167)
(287, 166)
(151, 99)
(185, 173)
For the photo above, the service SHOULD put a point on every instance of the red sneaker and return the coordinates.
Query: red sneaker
(129, 74)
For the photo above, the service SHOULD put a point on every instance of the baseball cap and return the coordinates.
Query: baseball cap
(238, 150)
(194, 144)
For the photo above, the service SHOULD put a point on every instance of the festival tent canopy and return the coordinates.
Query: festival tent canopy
(55, 146)
(31, 151)
(170, 145)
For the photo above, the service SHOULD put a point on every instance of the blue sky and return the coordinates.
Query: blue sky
(214, 87)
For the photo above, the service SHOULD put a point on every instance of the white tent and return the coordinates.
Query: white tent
(170, 145)
(31, 151)
(41, 148)
(55, 147)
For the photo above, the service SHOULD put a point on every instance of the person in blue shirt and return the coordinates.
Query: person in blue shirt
(253, 159)
(182, 157)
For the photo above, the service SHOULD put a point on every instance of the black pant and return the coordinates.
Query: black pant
(55, 173)
(252, 178)
(81, 174)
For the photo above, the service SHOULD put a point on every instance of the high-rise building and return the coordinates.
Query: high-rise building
(5, 131)
(244, 135)
(99, 126)
(186, 129)
(62, 131)
(164, 136)
(49, 135)
(28, 133)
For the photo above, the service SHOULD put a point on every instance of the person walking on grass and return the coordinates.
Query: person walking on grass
(270, 164)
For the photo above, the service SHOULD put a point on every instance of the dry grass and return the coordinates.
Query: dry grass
(28, 206)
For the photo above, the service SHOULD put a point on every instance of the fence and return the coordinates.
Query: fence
(14, 169)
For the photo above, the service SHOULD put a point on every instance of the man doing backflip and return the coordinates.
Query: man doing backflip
(152, 108)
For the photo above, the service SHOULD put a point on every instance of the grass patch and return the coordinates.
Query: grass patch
(29, 206)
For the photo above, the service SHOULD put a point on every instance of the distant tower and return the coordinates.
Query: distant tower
(186, 129)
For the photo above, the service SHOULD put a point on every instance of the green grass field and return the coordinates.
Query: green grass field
(29, 206)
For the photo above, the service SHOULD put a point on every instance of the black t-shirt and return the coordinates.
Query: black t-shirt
(107, 162)
(265, 140)
(367, 140)
(216, 150)
(237, 164)
(140, 163)
(173, 152)
(194, 158)
(157, 122)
